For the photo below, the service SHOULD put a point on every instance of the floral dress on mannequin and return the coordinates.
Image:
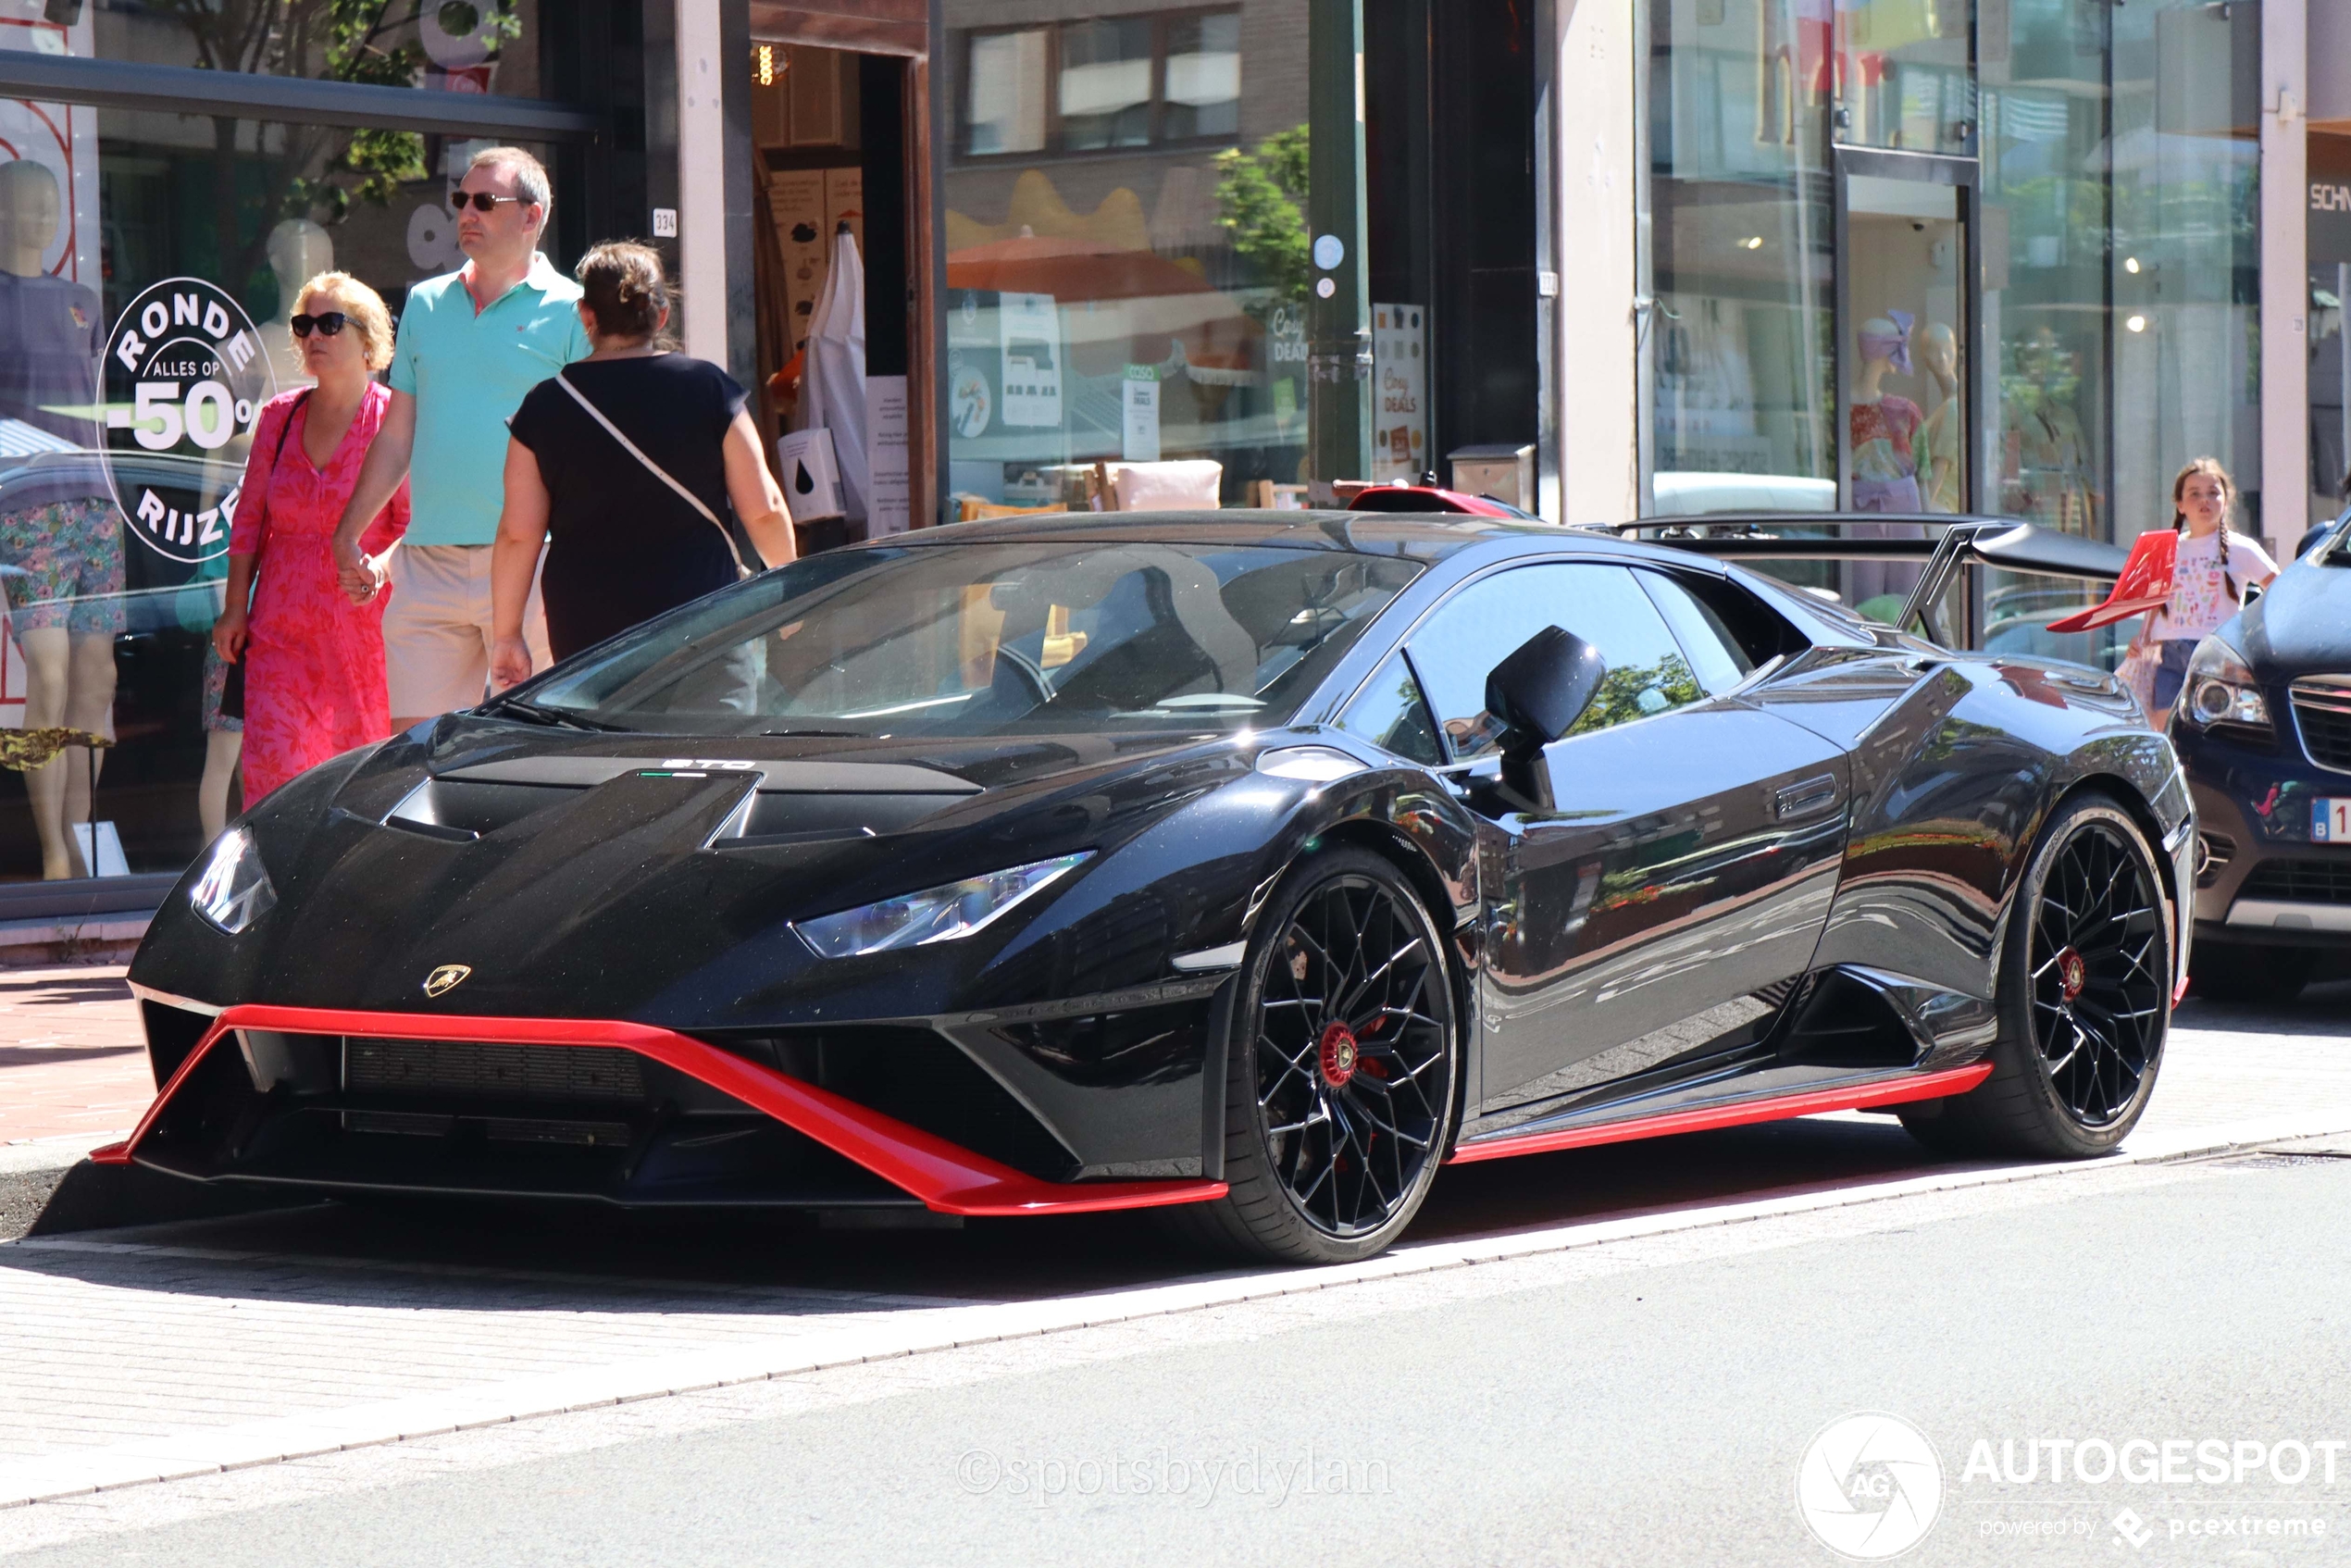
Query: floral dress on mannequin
(1882, 428)
(1882, 425)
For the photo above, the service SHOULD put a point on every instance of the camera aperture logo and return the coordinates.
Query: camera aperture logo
(1869, 1486)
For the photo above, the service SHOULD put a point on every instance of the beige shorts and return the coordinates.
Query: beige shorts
(437, 629)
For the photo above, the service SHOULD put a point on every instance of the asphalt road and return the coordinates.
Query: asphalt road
(1654, 1414)
(1647, 1401)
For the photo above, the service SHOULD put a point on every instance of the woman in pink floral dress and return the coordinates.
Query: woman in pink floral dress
(313, 660)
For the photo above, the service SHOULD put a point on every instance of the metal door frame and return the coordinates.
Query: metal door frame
(1966, 174)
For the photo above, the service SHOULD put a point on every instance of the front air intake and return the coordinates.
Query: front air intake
(477, 1071)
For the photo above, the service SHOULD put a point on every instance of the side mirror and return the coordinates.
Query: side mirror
(1538, 693)
(2252, 591)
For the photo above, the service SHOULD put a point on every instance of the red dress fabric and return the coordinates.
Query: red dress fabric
(315, 664)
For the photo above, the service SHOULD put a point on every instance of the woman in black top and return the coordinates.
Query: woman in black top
(629, 533)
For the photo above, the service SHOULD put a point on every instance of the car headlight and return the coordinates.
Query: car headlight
(2220, 689)
(233, 890)
(936, 915)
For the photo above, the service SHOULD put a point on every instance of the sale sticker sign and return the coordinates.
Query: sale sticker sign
(185, 379)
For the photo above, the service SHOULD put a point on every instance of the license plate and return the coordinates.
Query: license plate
(2331, 820)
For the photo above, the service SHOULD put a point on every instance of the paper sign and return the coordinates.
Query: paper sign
(888, 509)
(796, 197)
(1141, 399)
(1399, 414)
(1031, 396)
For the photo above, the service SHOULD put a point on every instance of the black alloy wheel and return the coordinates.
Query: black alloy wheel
(2085, 999)
(2098, 1007)
(1342, 1067)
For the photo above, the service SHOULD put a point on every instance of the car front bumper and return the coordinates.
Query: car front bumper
(2261, 880)
(621, 1112)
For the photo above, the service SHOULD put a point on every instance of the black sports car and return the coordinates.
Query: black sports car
(2263, 725)
(1255, 863)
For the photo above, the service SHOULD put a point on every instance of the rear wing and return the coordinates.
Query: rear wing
(1942, 543)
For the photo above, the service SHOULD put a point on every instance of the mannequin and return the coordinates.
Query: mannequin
(1881, 426)
(299, 251)
(224, 738)
(1944, 432)
(1886, 468)
(2048, 463)
(66, 590)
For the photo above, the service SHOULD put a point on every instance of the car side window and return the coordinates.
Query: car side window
(1390, 712)
(1483, 624)
(1714, 652)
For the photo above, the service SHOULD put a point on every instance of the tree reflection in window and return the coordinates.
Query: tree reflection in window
(1640, 691)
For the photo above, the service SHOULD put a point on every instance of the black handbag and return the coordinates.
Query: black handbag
(232, 694)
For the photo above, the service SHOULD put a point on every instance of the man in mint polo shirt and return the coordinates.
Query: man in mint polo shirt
(470, 345)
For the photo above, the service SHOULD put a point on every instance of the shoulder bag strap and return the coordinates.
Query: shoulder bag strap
(287, 428)
(278, 454)
(653, 468)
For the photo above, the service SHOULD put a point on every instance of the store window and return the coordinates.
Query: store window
(149, 262)
(2330, 250)
(1100, 83)
(1740, 339)
(1896, 71)
(471, 47)
(2120, 165)
(1129, 258)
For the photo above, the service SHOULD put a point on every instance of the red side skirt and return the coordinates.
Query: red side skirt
(1897, 1092)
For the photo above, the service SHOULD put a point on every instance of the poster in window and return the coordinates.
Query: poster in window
(1031, 396)
(1399, 365)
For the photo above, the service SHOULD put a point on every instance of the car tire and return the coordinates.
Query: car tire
(2234, 972)
(2085, 999)
(1342, 1069)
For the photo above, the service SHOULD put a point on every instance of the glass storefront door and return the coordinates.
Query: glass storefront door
(1904, 351)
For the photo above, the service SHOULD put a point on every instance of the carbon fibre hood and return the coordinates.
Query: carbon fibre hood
(646, 878)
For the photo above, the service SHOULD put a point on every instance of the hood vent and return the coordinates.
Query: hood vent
(771, 819)
(461, 811)
(791, 803)
(791, 776)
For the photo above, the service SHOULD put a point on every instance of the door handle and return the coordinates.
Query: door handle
(1805, 798)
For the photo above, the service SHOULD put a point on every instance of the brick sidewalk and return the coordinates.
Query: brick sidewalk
(73, 1061)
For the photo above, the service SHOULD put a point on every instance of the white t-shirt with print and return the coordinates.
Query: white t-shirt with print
(2200, 599)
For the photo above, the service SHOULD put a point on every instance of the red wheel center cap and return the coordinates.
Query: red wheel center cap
(1337, 1051)
(2072, 974)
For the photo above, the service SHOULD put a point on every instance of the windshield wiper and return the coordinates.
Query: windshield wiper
(533, 714)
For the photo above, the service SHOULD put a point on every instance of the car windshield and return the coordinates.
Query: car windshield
(1012, 639)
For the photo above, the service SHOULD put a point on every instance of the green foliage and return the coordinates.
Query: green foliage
(370, 41)
(1634, 692)
(1261, 198)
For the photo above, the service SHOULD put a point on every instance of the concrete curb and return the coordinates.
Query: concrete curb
(78, 938)
(209, 1451)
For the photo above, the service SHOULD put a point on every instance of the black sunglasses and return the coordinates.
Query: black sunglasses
(329, 323)
(482, 200)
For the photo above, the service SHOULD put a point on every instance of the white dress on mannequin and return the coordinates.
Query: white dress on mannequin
(832, 390)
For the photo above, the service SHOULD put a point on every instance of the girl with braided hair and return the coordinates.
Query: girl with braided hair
(2209, 575)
